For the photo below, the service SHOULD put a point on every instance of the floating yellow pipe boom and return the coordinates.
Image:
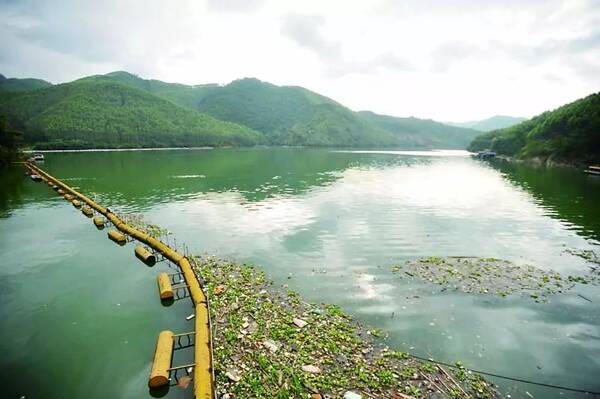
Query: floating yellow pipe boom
(203, 370)
(145, 256)
(165, 289)
(117, 237)
(159, 375)
(99, 222)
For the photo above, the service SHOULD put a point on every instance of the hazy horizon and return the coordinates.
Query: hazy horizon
(461, 62)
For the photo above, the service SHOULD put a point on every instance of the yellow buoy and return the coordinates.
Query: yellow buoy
(145, 256)
(159, 375)
(69, 197)
(76, 203)
(165, 289)
(99, 222)
(60, 191)
(87, 211)
(55, 187)
(117, 237)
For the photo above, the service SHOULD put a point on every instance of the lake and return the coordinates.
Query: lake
(80, 315)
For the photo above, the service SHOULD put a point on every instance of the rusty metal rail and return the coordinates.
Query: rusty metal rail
(204, 387)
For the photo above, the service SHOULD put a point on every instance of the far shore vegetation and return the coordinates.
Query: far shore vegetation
(569, 134)
(10, 140)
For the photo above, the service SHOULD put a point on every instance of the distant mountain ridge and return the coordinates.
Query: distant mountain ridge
(247, 111)
(424, 133)
(15, 84)
(489, 124)
(182, 95)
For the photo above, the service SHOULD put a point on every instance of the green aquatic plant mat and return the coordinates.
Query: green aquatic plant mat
(491, 276)
(269, 342)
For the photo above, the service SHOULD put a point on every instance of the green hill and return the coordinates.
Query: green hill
(88, 113)
(493, 123)
(180, 94)
(105, 115)
(570, 133)
(292, 115)
(422, 133)
(284, 115)
(14, 84)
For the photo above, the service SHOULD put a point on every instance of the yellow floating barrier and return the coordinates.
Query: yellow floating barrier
(87, 211)
(159, 375)
(165, 289)
(76, 203)
(99, 222)
(145, 256)
(117, 237)
(204, 383)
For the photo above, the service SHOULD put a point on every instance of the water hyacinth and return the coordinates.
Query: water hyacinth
(491, 276)
(262, 350)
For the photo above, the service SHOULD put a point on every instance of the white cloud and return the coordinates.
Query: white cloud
(449, 61)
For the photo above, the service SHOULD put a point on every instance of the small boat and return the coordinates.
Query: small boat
(38, 157)
(593, 170)
(35, 177)
(485, 154)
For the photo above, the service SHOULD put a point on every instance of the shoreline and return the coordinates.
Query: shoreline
(359, 150)
(543, 162)
(119, 149)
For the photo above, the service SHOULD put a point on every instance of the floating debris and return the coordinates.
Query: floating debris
(299, 322)
(309, 368)
(137, 220)
(491, 276)
(587, 254)
(329, 356)
(184, 382)
(270, 345)
(233, 375)
(352, 395)
(218, 290)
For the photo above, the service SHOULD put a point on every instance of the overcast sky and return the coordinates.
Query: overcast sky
(442, 59)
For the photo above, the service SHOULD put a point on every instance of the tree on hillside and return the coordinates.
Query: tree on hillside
(9, 142)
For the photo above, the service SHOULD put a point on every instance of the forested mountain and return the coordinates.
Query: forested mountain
(570, 133)
(89, 113)
(292, 115)
(14, 84)
(103, 114)
(489, 124)
(423, 133)
(183, 95)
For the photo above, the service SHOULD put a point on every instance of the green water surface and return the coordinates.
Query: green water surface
(80, 315)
